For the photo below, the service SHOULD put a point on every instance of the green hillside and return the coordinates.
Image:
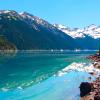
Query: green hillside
(6, 45)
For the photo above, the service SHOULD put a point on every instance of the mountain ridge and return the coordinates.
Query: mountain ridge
(91, 30)
(28, 32)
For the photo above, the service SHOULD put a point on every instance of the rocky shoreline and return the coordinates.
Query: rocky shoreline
(91, 91)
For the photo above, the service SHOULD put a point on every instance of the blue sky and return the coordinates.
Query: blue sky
(73, 13)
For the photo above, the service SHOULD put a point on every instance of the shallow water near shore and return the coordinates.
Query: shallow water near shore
(38, 75)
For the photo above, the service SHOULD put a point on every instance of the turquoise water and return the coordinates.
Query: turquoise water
(34, 76)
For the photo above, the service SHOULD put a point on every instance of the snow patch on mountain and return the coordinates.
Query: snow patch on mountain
(75, 33)
(4, 11)
(92, 31)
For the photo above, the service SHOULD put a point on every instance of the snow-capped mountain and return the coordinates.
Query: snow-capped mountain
(36, 21)
(92, 31)
(25, 31)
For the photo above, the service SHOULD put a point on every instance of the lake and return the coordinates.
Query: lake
(39, 75)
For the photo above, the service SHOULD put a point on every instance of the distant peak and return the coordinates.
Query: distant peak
(25, 13)
(92, 26)
(59, 25)
(7, 11)
(91, 30)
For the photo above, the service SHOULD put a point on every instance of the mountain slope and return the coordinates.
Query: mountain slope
(6, 45)
(28, 32)
(92, 31)
(87, 38)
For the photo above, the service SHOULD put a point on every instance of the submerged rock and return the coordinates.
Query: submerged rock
(85, 89)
